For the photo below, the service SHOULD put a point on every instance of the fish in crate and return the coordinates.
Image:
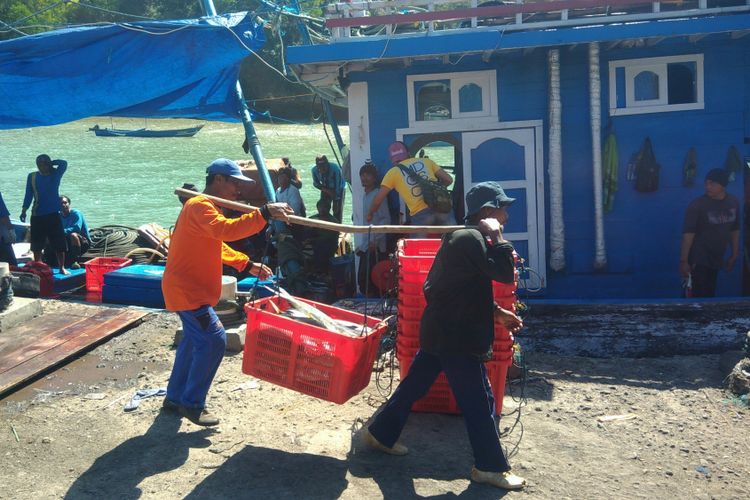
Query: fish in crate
(312, 348)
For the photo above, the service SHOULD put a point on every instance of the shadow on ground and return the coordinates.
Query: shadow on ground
(117, 473)
(257, 472)
(681, 372)
(439, 450)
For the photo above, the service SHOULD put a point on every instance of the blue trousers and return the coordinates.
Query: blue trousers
(467, 377)
(198, 357)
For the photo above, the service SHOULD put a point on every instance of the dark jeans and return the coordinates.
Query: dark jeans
(364, 272)
(337, 206)
(467, 377)
(7, 254)
(704, 281)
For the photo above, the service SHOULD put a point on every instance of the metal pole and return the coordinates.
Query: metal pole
(334, 126)
(247, 121)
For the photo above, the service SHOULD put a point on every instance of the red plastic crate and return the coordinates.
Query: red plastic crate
(408, 328)
(410, 313)
(417, 247)
(412, 300)
(409, 343)
(97, 267)
(503, 290)
(439, 399)
(412, 288)
(415, 277)
(307, 358)
(502, 333)
(502, 345)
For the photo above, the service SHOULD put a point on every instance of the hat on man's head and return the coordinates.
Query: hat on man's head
(397, 152)
(486, 194)
(226, 167)
(719, 176)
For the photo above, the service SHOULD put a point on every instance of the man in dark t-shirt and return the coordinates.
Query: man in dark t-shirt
(711, 222)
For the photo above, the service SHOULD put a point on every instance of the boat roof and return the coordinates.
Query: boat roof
(440, 29)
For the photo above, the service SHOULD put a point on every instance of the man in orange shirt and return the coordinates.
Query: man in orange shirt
(192, 285)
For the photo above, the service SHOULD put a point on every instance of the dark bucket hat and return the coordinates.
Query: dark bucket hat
(486, 194)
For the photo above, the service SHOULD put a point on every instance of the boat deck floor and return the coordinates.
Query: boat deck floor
(42, 343)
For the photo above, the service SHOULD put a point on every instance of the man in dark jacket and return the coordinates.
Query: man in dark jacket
(456, 335)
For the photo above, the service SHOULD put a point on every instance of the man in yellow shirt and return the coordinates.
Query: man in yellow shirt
(396, 178)
(192, 285)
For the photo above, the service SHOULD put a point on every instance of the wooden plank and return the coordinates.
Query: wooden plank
(35, 329)
(35, 337)
(76, 337)
(56, 330)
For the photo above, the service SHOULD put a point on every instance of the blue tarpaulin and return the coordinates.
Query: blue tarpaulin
(159, 69)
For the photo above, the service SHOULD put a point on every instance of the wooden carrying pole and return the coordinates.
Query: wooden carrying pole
(320, 224)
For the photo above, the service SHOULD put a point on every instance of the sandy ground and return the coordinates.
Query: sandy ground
(68, 436)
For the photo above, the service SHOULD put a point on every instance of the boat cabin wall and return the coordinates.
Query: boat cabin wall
(643, 230)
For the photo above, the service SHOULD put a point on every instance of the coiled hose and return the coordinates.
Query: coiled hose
(120, 241)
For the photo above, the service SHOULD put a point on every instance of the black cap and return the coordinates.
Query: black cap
(719, 176)
(486, 194)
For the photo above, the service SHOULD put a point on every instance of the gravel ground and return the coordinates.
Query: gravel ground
(588, 428)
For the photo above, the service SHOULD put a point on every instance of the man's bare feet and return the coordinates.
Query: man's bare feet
(64, 271)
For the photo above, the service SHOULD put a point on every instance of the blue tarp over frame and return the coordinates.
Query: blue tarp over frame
(159, 69)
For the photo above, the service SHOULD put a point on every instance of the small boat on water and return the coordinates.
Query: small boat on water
(144, 132)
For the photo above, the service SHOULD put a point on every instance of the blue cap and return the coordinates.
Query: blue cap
(227, 167)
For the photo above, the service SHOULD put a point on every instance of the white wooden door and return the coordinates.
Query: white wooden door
(513, 157)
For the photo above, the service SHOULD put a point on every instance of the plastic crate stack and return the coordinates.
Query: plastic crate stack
(415, 259)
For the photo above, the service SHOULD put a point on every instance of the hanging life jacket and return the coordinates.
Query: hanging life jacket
(646, 169)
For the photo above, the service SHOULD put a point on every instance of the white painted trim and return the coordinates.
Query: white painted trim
(541, 242)
(487, 81)
(359, 143)
(659, 66)
(434, 127)
(655, 109)
(632, 72)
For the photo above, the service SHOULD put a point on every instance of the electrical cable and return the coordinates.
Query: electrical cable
(11, 28)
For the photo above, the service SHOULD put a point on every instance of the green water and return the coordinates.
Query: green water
(130, 181)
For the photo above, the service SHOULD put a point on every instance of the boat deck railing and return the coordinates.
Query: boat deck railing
(354, 20)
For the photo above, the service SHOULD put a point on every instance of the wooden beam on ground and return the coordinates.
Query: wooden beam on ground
(51, 339)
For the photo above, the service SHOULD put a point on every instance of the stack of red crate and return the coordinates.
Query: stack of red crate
(415, 259)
